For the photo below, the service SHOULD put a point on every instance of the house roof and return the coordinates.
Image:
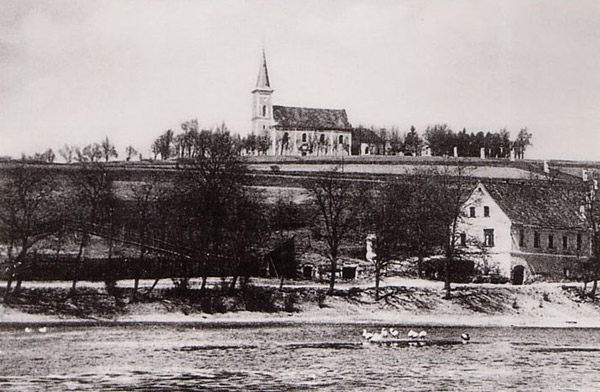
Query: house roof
(364, 135)
(541, 205)
(296, 117)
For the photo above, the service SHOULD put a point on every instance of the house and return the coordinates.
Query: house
(298, 131)
(366, 142)
(525, 230)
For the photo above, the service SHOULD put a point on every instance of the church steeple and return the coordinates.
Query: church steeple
(262, 116)
(263, 83)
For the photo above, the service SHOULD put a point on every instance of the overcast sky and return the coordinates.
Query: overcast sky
(76, 71)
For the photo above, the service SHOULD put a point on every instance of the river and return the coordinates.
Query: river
(187, 357)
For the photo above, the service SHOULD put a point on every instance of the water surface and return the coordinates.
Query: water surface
(293, 358)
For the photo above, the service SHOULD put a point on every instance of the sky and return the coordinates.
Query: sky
(77, 71)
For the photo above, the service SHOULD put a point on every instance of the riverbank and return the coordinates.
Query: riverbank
(403, 303)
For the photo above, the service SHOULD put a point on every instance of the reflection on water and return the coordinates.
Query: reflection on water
(299, 358)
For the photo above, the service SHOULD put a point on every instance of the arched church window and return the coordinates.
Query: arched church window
(303, 137)
(264, 110)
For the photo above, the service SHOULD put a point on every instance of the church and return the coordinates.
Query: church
(298, 131)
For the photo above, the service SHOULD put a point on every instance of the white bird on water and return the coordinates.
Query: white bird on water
(412, 334)
(394, 332)
(43, 329)
(366, 334)
(28, 330)
(422, 335)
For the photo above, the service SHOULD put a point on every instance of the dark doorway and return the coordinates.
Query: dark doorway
(307, 271)
(518, 275)
(349, 273)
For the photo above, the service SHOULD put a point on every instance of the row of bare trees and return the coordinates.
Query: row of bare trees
(415, 216)
(202, 213)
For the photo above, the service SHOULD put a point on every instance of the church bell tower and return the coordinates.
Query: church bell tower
(262, 106)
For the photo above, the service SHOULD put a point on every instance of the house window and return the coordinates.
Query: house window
(488, 237)
(550, 241)
(522, 238)
(322, 139)
(463, 239)
(565, 242)
(304, 138)
(472, 212)
(536, 239)
(341, 139)
(486, 211)
(578, 241)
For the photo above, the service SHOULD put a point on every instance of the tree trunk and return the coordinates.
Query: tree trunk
(594, 287)
(233, 283)
(377, 279)
(332, 276)
(18, 285)
(203, 286)
(447, 278)
(420, 266)
(281, 284)
(153, 285)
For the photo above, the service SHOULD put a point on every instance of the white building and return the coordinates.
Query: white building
(298, 131)
(525, 230)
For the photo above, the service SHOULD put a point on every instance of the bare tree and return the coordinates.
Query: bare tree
(91, 199)
(108, 150)
(130, 151)
(28, 214)
(337, 201)
(67, 152)
(146, 197)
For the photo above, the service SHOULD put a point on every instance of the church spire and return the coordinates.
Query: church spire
(262, 83)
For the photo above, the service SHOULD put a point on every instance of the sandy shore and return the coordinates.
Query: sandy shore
(416, 303)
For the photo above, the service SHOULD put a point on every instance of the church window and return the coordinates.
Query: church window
(304, 138)
(536, 239)
(565, 242)
(264, 110)
(579, 241)
(550, 241)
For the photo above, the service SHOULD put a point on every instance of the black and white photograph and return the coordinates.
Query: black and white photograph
(319, 195)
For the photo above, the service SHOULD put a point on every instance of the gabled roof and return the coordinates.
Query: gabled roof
(296, 117)
(364, 135)
(539, 204)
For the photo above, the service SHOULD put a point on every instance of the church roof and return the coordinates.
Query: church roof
(544, 206)
(296, 117)
(263, 83)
